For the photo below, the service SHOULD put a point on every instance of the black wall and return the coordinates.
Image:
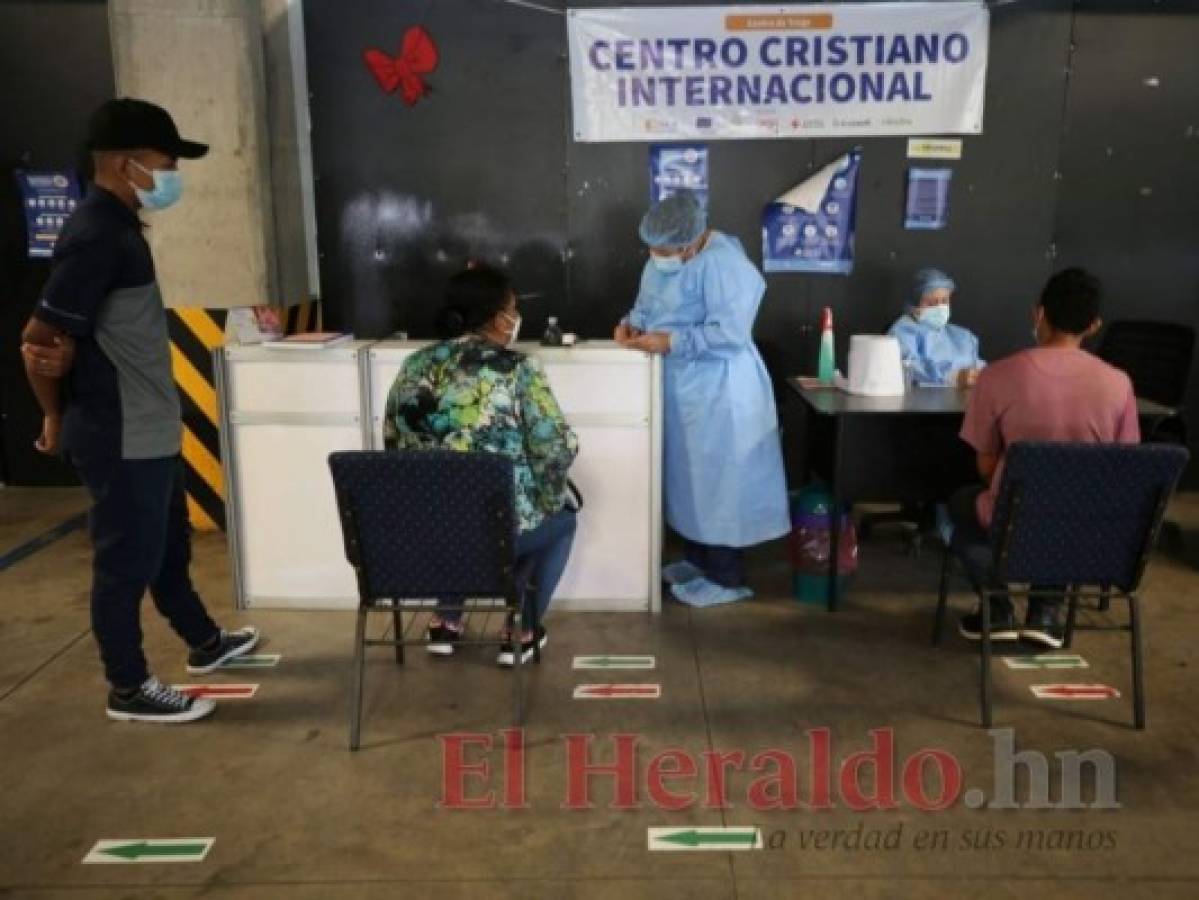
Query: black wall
(56, 67)
(1083, 161)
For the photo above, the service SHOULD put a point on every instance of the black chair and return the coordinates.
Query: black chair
(423, 529)
(1157, 357)
(1081, 515)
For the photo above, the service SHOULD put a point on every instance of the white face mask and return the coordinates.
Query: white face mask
(934, 316)
(515, 320)
(668, 264)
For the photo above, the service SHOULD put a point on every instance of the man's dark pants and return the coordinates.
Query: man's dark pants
(142, 539)
(974, 542)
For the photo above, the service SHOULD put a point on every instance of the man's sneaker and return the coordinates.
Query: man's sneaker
(157, 702)
(231, 644)
(1043, 626)
(442, 640)
(507, 655)
(1003, 624)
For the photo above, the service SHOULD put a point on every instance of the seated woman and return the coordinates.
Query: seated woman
(935, 352)
(473, 392)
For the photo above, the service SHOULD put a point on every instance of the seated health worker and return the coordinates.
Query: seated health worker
(934, 352)
(474, 393)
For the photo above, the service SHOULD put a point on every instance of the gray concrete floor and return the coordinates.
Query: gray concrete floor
(295, 814)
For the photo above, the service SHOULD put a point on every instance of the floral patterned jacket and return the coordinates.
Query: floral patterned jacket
(468, 395)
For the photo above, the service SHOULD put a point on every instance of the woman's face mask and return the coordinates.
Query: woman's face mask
(168, 188)
(515, 333)
(668, 264)
(934, 316)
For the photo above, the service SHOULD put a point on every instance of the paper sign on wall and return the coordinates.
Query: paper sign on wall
(678, 167)
(928, 199)
(934, 148)
(49, 198)
(810, 228)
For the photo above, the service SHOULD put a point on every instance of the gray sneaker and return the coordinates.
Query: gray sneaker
(157, 702)
(231, 644)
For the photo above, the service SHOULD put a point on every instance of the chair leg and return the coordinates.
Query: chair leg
(943, 599)
(517, 664)
(985, 661)
(536, 623)
(397, 620)
(356, 679)
(1105, 598)
(1071, 616)
(1138, 673)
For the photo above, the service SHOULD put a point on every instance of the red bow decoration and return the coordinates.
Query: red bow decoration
(418, 56)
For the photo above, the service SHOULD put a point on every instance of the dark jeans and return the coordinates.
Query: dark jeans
(142, 539)
(974, 545)
(723, 565)
(548, 545)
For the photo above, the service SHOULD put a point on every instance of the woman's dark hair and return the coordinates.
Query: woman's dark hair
(1071, 300)
(472, 298)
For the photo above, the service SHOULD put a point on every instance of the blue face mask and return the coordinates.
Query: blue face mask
(168, 188)
(667, 264)
(934, 316)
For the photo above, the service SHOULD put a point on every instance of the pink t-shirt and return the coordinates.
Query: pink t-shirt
(1047, 394)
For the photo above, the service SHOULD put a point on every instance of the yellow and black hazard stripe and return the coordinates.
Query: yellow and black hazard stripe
(195, 333)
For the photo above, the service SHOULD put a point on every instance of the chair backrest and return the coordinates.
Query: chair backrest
(1156, 355)
(1083, 514)
(424, 524)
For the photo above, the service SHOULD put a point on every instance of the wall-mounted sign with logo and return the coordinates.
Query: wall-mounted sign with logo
(49, 198)
(678, 167)
(727, 72)
(810, 228)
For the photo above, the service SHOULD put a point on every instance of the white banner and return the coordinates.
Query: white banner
(727, 72)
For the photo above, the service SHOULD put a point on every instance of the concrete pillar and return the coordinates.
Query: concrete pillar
(238, 238)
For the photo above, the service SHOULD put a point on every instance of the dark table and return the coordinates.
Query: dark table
(893, 449)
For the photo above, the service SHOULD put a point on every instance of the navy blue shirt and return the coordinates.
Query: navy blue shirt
(121, 398)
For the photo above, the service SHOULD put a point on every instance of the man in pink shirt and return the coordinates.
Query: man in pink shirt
(1054, 392)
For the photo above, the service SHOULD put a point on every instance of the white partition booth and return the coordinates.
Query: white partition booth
(284, 411)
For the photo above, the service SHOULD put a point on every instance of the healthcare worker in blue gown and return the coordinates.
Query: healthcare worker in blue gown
(723, 464)
(935, 353)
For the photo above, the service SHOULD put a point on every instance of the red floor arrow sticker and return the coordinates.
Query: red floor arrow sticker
(1074, 692)
(218, 691)
(618, 692)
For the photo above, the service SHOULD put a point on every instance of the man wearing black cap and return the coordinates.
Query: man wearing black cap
(98, 357)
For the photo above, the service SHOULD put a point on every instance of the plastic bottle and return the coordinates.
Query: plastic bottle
(826, 363)
(553, 334)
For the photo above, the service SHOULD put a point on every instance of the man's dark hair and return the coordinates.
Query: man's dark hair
(472, 298)
(1071, 300)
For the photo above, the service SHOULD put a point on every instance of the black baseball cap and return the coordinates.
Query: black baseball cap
(127, 124)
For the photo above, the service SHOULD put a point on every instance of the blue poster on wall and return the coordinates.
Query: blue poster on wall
(810, 228)
(678, 167)
(927, 207)
(49, 198)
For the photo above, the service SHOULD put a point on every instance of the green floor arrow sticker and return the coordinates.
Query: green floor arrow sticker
(745, 837)
(1046, 661)
(149, 850)
(253, 661)
(614, 662)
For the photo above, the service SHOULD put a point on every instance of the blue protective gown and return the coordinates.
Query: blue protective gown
(723, 465)
(932, 356)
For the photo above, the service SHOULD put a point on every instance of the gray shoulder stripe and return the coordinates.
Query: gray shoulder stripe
(62, 312)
